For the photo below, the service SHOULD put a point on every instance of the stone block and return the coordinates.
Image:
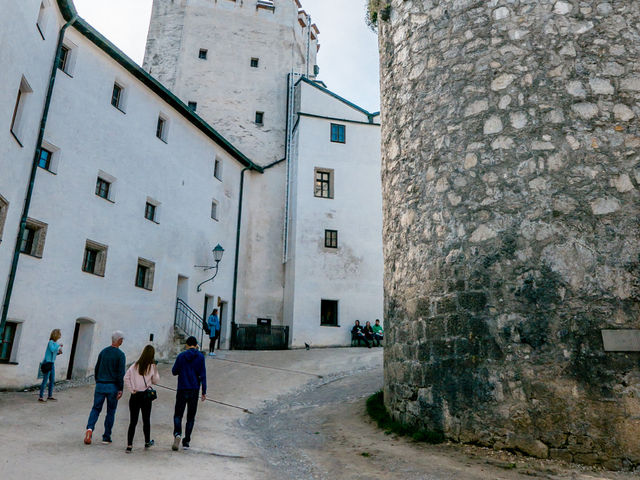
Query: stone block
(560, 454)
(621, 340)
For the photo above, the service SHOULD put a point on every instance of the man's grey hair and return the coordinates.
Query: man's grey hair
(117, 335)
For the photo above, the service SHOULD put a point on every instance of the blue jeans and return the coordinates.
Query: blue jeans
(51, 376)
(108, 392)
(188, 399)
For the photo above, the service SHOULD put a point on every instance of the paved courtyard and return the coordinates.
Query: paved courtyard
(307, 421)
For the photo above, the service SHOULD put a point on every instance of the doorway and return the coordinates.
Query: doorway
(222, 312)
(208, 307)
(183, 289)
(81, 348)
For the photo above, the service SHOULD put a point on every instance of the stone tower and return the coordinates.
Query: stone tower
(511, 169)
(249, 48)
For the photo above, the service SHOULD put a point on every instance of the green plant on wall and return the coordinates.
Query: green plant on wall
(377, 10)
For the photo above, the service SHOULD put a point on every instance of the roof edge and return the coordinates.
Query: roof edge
(335, 95)
(68, 10)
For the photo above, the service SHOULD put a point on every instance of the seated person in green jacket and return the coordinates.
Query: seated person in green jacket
(378, 333)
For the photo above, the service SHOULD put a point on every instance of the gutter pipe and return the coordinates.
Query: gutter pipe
(32, 178)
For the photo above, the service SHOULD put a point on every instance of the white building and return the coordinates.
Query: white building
(131, 189)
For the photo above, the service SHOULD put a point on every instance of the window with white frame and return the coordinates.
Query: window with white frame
(17, 119)
(119, 96)
(323, 183)
(105, 186)
(33, 238)
(145, 273)
(151, 210)
(162, 128)
(4, 208)
(217, 169)
(95, 258)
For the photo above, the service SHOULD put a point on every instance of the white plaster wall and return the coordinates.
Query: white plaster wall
(352, 273)
(53, 292)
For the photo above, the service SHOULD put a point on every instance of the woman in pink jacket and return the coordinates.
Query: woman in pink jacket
(139, 378)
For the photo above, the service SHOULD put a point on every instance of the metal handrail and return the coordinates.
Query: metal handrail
(188, 321)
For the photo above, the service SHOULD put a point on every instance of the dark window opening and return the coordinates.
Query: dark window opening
(329, 312)
(28, 240)
(45, 159)
(15, 111)
(160, 128)
(193, 106)
(6, 343)
(260, 118)
(337, 133)
(217, 170)
(331, 238)
(102, 188)
(141, 276)
(90, 260)
(150, 212)
(116, 96)
(203, 54)
(254, 62)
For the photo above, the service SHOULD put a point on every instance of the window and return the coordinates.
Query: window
(103, 188)
(217, 169)
(202, 55)
(8, 338)
(324, 183)
(161, 128)
(150, 212)
(329, 313)
(254, 62)
(4, 208)
(18, 110)
(214, 210)
(45, 159)
(63, 60)
(33, 237)
(331, 238)
(337, 133)
(193, 106)
(41, 22)
(259, 118)
(144, 274)
(116, 96)
(95, 258)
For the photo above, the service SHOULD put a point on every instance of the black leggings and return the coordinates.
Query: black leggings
(212, 342)
(138, 402)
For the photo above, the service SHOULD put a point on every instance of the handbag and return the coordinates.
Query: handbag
(45, 367)
(150, 393)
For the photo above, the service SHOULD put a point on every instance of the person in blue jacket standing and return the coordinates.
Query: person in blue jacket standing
(213, 322)
(47, 367)
(192, 373)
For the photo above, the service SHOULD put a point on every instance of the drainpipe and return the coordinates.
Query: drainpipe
(32, 178)
(235, 265)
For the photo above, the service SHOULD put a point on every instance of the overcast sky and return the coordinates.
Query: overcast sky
(348, 57)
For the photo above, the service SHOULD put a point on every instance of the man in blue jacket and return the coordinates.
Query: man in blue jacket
(191, 372)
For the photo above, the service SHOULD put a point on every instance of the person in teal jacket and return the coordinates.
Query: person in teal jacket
(53, 350)
(213, 322)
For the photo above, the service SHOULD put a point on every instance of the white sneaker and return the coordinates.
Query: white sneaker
(176, 443)
(213, 354)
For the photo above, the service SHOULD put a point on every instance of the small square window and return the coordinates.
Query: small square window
(193, 106)
(103, 188)
(7, 341)
(329, 313)
(95, 258)
(259, 118)
(161, 129)
(116, 96)
(337, 133)
(331, 238)
(217, 169)
(63, 59)
(4, 208)
(214, 210)
(45, 159)
(202, 55)
(323, 183)
(144, 274)
(150, 212)
(33, 238)
(254, 62)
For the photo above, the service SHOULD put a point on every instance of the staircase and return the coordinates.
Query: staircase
(187, 323)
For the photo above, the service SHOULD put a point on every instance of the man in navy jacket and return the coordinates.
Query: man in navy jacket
(191, 372)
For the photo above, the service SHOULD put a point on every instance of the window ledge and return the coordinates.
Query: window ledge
(119, 109)
(217, 178)
(40, 31)
(94, 274)
(162, 140)
(6, 362)
(17, 139)
(152, 221)
(334, 326)
(105, 199)
(47, 170)
(144, 288)
(65, 72)
(324, 198)
(39, 257)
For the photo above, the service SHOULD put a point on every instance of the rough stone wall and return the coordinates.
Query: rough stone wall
(511, 170)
